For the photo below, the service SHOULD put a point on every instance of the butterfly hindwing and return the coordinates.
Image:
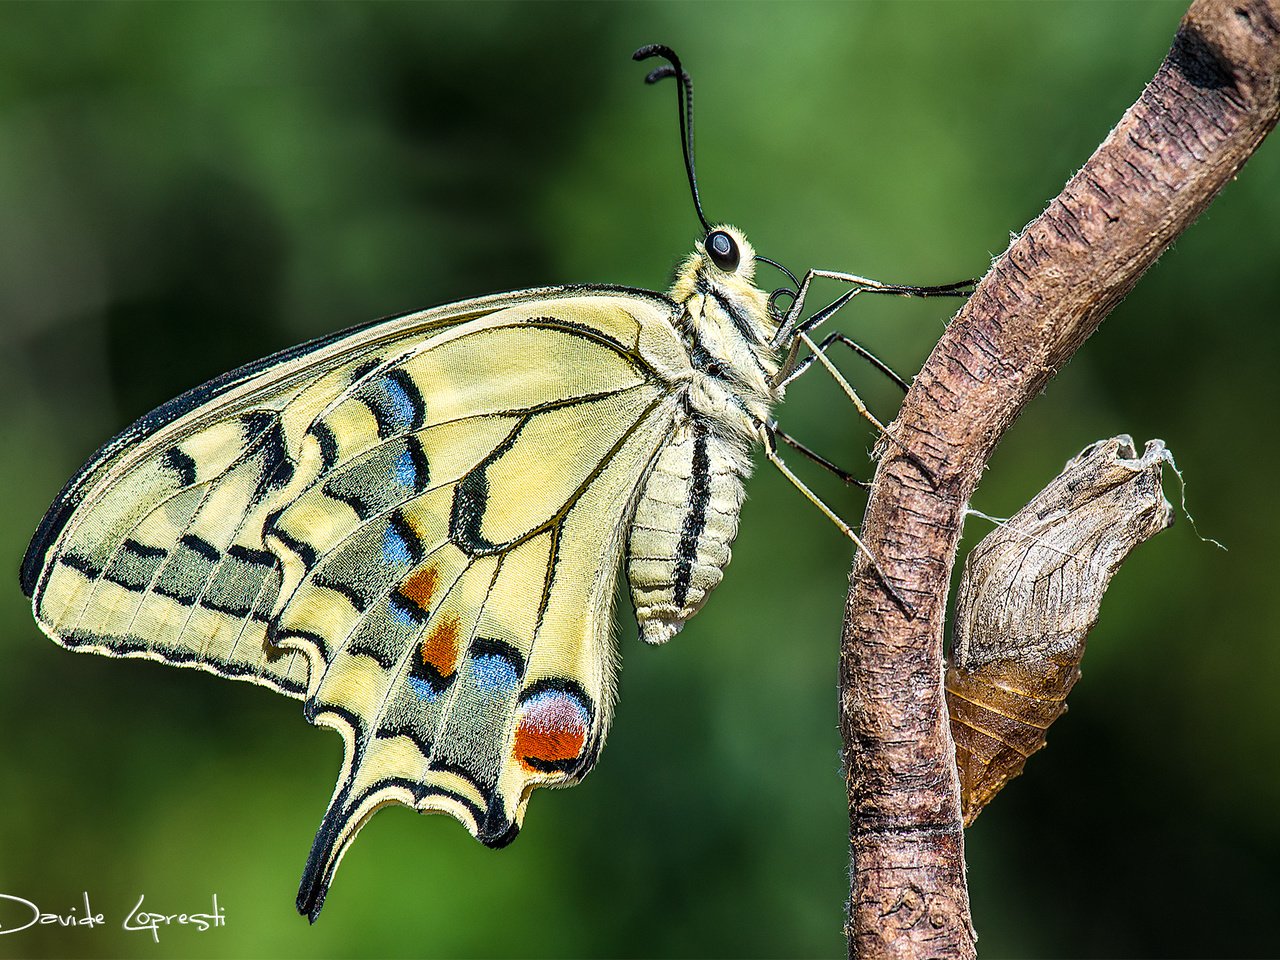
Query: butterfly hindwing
(415, 527)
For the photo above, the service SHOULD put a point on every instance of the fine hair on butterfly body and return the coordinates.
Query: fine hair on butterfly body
(415, 526)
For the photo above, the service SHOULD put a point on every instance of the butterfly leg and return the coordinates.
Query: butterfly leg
(837, 337)
(818, 458)
(791, 323)
(791, 370)
(768, 438)
(844, 384)
(852, 394)
(791, 329)
(789, 367)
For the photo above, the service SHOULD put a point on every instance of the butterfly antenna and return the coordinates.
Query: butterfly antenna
(795, 282)
(684, 99)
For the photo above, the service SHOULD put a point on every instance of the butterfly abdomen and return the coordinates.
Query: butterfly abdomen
(685, 522)
(687, 515)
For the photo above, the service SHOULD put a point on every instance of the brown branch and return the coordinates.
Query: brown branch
(1213, 100)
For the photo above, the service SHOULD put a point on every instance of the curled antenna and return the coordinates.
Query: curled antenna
(684, 98)
(776, 311)
(791, 292)
(791, 276)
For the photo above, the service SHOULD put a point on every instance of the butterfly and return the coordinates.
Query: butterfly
(415, 526)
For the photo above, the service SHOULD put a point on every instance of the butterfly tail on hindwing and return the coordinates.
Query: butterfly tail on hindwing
(342, 821)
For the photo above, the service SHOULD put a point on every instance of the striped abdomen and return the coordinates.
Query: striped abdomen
(685, 521)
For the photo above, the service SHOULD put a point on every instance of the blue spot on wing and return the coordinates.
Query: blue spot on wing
(496, 667)
(401, 402)
(405, 471)
(395, 549)
(424, 689)
(494, 675)
(404, 615)
(395, 402)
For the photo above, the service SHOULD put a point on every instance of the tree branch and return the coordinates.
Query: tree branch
(1213, 100)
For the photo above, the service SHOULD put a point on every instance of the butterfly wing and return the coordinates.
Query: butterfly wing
(414, 526)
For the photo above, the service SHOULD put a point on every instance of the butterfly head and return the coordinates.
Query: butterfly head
(723, 258)
(722, 269)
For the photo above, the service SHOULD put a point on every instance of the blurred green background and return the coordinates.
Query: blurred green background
(186, 188)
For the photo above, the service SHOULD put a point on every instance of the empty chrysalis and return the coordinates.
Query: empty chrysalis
(1030, 594)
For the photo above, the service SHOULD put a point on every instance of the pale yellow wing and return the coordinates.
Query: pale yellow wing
(414, 526)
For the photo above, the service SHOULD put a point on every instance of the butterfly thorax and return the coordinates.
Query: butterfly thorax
(727, 328)
(687, 514)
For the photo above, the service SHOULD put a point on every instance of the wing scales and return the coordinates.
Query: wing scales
(421, 541)
(513, 655)
(159, 568)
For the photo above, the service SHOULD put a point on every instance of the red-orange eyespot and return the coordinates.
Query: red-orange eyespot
(554, 723)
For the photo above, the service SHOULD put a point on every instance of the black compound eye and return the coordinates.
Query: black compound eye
(723, 250)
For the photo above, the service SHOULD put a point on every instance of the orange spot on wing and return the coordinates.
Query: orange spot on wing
(440, 647)
(548, 746)
(552, 730)
(421, 586)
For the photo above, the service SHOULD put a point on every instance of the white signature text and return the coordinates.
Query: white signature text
(18, 914)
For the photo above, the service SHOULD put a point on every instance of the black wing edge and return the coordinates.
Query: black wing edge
(496, 832)
(65, 503)
(330, 843)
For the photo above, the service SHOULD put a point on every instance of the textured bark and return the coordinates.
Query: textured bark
(1213, 100)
